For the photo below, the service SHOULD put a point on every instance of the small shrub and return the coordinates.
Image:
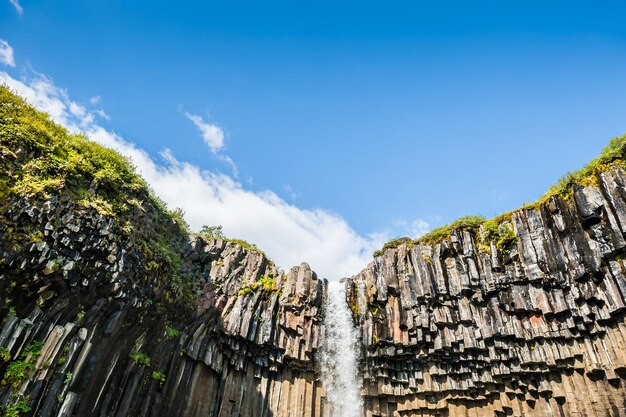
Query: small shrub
(16, 409)
(81, 313)
(501, 233)
(159, 377)
(16, 373)
(245, 291)
(246, 245)
(266, 283)
(171, 332)
(5, 355)
(211, 232)
(140, 358)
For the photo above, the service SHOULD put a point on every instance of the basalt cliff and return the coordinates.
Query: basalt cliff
(110, 307)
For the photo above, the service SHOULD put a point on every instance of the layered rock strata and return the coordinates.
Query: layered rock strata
(460, 328)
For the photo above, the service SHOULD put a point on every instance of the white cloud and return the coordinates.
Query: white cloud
(290, 191)
(211, 134)
(6, 53)
(18, 6)
(414, 229)
(287, 233)
(102, 114)
(95, 100)
(419, 228)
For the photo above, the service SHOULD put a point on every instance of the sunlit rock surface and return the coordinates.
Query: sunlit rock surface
(454, 329)
(109, 307)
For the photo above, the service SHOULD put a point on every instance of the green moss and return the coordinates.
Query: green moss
(500, 228)
(5, 355)
(245, 291)
(159, 377)
(355, 310)
(17, 371)
(613, 153)
(394, 243)
(467, 223)
(246, 245)
(140, 358)
(51, 162)
(171, 332)
(266, 283)
(81, 313)
(499, 231)
(17, 408)
(470, 223)
(33, 350)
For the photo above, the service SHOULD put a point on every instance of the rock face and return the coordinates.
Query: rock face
(109, 307)
(460, 329)
(81, 337)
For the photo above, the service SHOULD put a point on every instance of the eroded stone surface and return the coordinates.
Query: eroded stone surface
(112, 347)
(451, 329)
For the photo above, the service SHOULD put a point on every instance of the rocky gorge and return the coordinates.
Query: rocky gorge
(111, 307)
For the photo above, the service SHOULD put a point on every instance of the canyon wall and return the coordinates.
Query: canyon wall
(535, 328)
(83, 335)
(110, 307)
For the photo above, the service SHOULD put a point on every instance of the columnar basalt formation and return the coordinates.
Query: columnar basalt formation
(81, 336)
(110, 307)
(462, 328)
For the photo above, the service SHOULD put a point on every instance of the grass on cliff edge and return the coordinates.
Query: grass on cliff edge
(613, 153)
(40, 160)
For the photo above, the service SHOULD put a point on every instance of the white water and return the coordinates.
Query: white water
(339, 354)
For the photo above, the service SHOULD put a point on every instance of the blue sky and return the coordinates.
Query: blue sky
(390, 118)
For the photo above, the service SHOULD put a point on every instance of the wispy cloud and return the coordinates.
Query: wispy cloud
(6, 53)
(211, 134)
(288, 234)
(412, 229)
(290, 191)
(18, 6)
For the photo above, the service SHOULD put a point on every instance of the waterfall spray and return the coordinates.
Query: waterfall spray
(339, 356)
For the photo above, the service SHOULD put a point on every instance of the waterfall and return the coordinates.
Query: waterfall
(339, 354)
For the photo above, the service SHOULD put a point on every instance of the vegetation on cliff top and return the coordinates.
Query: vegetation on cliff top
(41, 161)
(216, 232)
(499, 229)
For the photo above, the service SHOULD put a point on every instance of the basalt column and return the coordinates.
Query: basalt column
(464, 328)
